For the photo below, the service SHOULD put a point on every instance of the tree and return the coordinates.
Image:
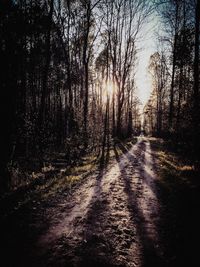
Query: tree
(196, 117)
(68, 78)
(160, 75)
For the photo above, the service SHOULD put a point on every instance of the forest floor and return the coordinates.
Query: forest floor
(139, 209)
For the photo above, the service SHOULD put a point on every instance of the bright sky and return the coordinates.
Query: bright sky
(146, 46)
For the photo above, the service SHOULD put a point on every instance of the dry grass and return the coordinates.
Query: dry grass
(67, 178)
(171, 167)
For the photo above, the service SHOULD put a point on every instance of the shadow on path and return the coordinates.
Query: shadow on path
(151, 254)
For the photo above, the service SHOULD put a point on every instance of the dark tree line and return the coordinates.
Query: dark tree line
(173, 108)
(67, 77)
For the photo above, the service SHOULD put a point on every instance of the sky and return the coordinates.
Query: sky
(146, 47)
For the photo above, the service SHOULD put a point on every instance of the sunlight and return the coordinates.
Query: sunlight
(108, 90)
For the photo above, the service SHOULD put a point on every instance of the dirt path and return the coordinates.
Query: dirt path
(110, 220)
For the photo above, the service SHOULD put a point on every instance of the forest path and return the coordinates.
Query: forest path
(111, 219)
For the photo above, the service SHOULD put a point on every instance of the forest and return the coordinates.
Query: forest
(90, 174)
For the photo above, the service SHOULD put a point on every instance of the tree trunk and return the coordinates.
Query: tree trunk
(196, 86)
(171, 105)
(42, 109)
(86, 70)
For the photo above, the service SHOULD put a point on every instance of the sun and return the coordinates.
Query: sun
(108, 90)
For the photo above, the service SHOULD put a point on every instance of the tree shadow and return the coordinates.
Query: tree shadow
(94, 249)
(138, 160)
(150, 253)
(178, 226)
(179, 220)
